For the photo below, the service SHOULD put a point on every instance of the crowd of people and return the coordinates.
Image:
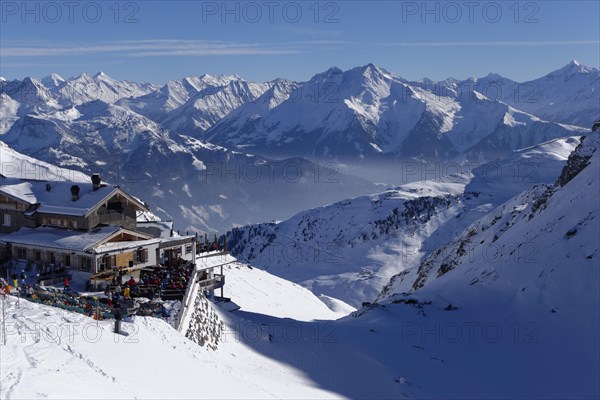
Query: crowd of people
(125, 296)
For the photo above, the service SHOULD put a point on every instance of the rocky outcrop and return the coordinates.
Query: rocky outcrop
(205, 328)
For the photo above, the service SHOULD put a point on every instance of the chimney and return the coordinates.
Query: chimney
(74, 193)
(96, 181)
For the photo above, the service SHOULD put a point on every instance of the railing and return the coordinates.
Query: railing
(111, 217)
(215, 282)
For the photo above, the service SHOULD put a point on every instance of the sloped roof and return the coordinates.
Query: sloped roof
(120, 246)
(69, 239)
(163, 227)
(19, 191)
(59, 200)
(58, 238)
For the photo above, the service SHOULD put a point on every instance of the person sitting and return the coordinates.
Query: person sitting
(131, 282)
(126, 292)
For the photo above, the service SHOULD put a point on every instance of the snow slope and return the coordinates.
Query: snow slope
(545, 240)
(258, 291)
(16, 165)
(51, 353)
(510, 175)
(350, 249)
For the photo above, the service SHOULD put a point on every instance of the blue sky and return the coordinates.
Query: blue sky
(157, 40)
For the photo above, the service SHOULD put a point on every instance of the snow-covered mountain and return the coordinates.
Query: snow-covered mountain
(350, 249)
(87, 87)
(368, 111)
(197, 185)
(363, 112)
(193, 104)
(505, 309)
(135, 132)
(574, 85)
(30, 94)
(545, 238)
(16, 165)
(211, 104)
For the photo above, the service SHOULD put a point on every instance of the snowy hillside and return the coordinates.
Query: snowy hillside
(258, 291)
(350, 249)
(16, 165)
(502, 309)
(52, 353)
(545, 240)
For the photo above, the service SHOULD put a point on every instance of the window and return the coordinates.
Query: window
(67, 260)
(188, 249)
(86, 264)
(6, 220)
(110, 261)
(38, 255)
(141, 256)
(21, 253)
(72, 224)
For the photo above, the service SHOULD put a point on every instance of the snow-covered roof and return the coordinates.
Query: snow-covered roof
(19, 191)
(60, 238)
(213, 259)
(164, 228)
(166, 243)
(58, 199)
(116, 246)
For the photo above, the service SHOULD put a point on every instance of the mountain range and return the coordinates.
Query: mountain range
(204, 140)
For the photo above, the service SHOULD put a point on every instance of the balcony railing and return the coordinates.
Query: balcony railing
(111, 217)
(216, 282)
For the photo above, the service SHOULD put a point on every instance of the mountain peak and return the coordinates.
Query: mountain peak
(572, 68)
(83, 76)
(52, 80)
(328, 74)
(493, 75)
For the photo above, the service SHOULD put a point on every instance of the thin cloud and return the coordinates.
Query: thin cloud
(151, 48)
(308, 31)
(494, 43)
